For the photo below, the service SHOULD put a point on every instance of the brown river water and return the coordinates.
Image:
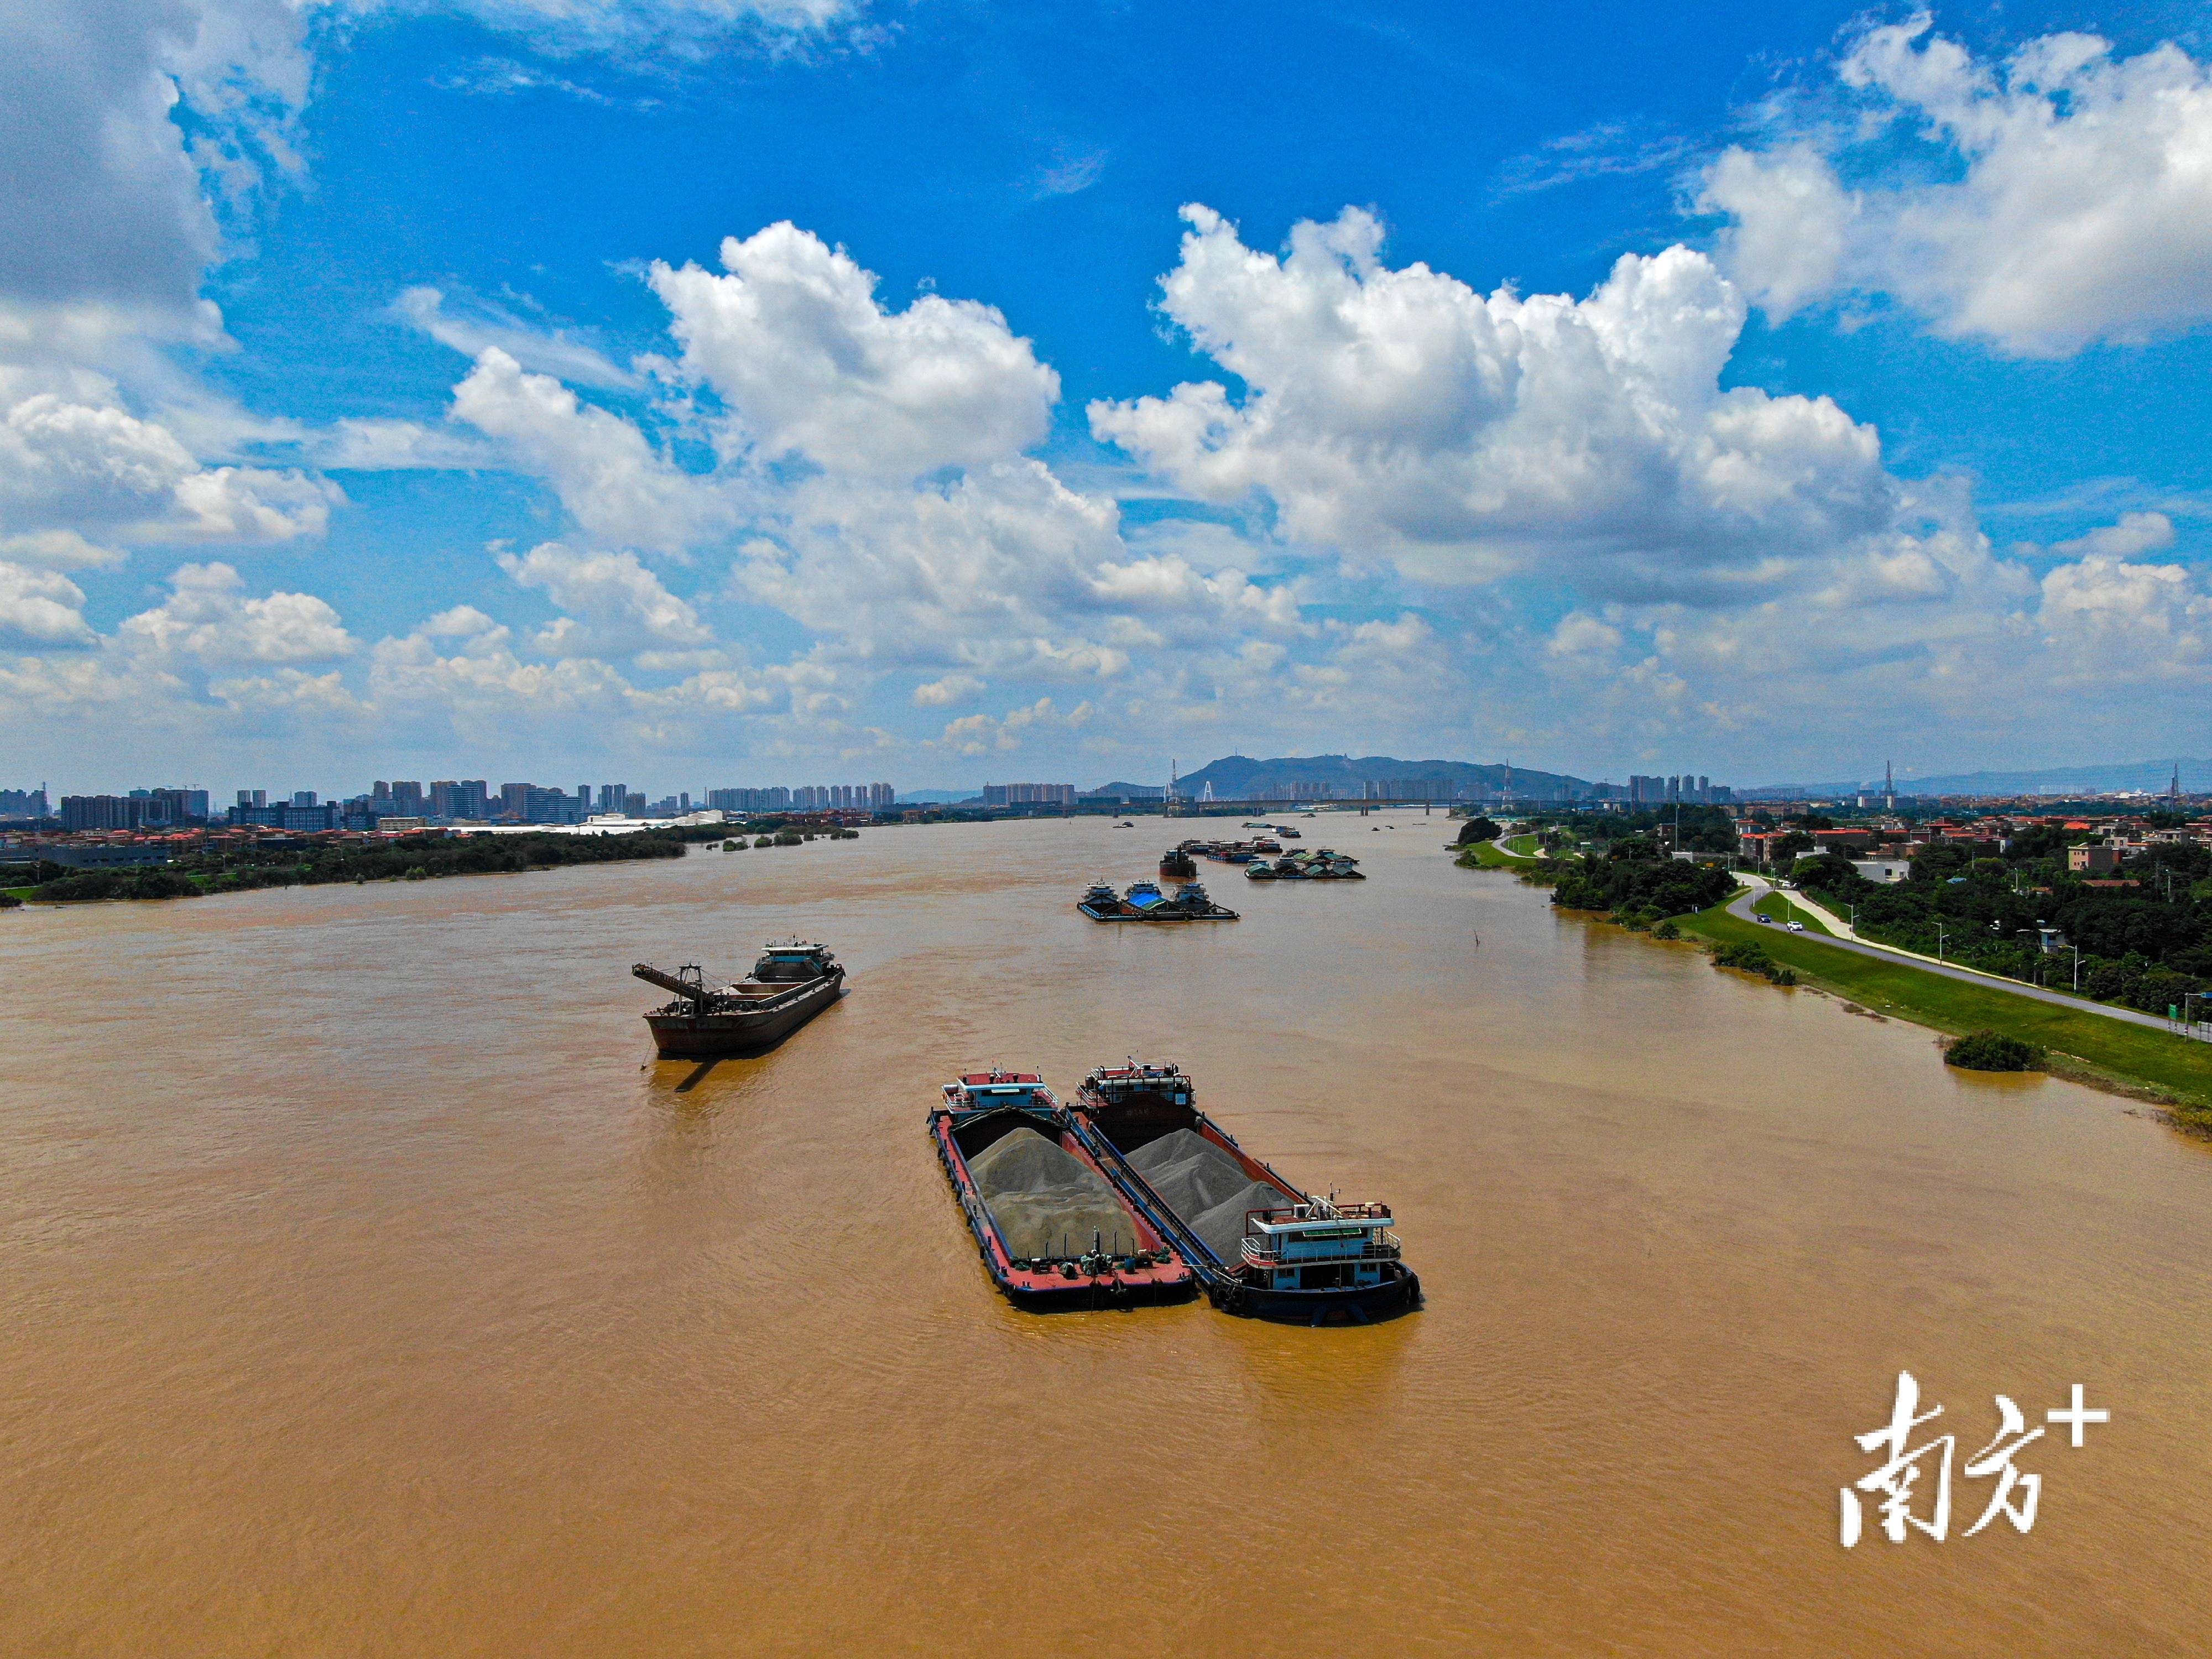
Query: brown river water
(366, 1289)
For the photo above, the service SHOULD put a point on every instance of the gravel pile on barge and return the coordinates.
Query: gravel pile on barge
(1047, 1203)
(1205, 1188)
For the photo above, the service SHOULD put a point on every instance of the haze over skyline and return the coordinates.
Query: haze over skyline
(815, 390)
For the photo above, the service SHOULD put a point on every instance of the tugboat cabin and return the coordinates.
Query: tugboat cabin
(1319, 1245)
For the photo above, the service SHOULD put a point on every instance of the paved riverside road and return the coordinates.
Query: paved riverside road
(1741, 906)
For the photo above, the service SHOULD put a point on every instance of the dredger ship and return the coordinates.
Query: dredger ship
(1261, 1245)
(790, 984)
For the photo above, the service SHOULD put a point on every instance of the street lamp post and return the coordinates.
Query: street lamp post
(1939, 941)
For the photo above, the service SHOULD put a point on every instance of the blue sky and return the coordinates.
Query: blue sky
(382, 397)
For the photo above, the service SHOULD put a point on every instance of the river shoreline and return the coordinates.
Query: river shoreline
(2170, 1073)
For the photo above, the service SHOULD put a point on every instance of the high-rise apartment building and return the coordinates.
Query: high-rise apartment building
(1029, 794)
(462, 798)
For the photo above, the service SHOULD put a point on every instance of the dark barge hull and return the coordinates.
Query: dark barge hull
(1047, 1291)
(718, 1035)
(1400, 1289)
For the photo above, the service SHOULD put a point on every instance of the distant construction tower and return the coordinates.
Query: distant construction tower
(2173, 789)
(1888, 786)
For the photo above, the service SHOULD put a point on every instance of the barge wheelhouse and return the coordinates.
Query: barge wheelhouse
(1262, 1246)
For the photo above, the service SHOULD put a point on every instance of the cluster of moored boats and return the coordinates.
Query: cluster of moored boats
(1314, 864)
(1263, 860)
(1131, 1194)
(1145, 902)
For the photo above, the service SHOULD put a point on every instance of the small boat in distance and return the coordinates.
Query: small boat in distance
(1177, 864)
(1142, 895)
(790, 984)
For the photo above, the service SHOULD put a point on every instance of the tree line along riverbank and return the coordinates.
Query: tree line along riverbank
(1630, 885)
(243, 868)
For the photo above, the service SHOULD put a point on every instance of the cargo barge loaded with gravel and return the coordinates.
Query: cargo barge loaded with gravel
(1261, 1245)
(1053, 1230)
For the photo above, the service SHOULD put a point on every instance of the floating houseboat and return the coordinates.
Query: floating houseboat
(1261, 1247)
(1053, 1231)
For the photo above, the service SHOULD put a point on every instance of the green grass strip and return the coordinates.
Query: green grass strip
(2175, 1070)
(1487, 855)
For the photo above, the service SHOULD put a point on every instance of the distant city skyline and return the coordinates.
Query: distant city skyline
(2152, 777)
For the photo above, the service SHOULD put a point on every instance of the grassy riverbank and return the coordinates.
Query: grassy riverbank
(2088, 1047)
(1487, 855)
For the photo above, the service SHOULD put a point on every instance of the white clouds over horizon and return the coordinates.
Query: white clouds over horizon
(1735, 558)
(1467, 437)
(2082, 210)
(1392, 505)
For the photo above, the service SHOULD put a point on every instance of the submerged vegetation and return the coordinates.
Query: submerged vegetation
(1749, 957)
(1993, 1051)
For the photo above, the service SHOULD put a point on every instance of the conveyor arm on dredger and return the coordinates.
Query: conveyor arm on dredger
(693, 991)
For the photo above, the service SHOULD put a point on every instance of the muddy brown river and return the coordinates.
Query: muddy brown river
(367, 1288)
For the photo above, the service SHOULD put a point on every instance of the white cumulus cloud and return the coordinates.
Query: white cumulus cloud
(208, 618)
(615, 604)
(2133, 534)
(70, 466)
(618, 489)
(41, 608)
(1400, 411)
(795, 341)
(2080, 211)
